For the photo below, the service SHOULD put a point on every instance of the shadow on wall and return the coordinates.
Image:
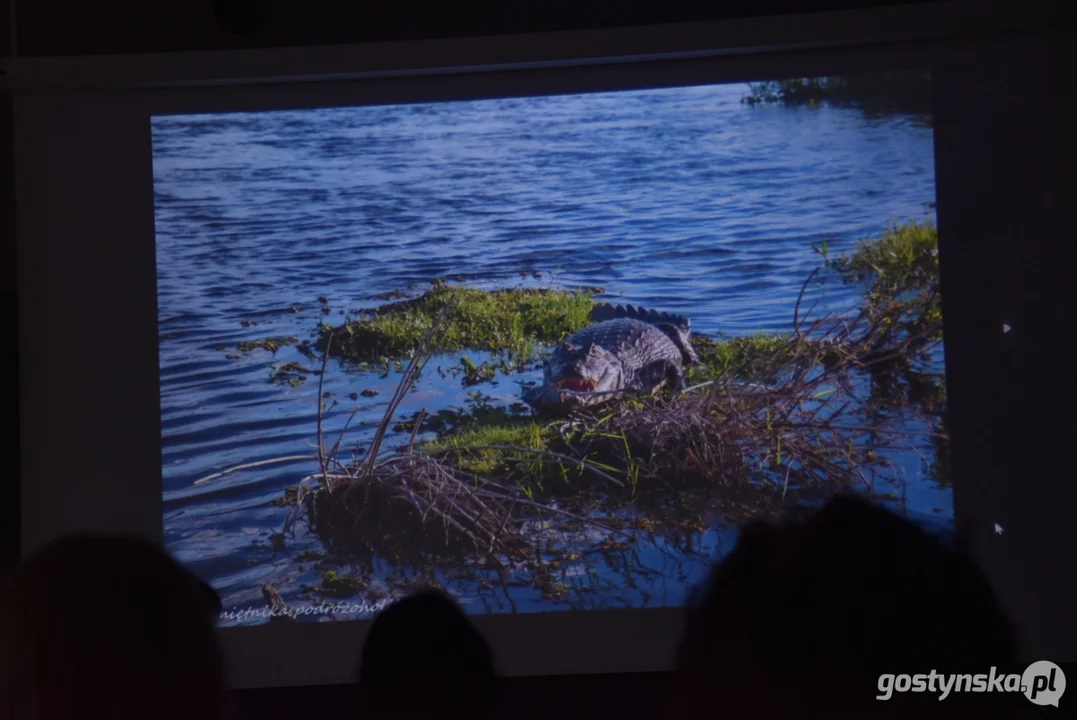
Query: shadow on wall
(593, 697)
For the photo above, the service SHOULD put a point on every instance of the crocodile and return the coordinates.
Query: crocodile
(624, 349)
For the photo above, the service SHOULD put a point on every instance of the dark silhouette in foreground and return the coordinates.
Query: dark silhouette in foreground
(800, 621)
(424, 658)
(108, 628)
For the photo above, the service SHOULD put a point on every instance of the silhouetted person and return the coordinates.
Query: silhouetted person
(108, 628)
(801, 621)
(424, 658)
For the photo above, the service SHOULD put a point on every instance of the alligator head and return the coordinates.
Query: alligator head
(573, 372)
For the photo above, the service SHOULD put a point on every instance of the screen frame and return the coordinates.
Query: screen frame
(878, 27)
(84, 170)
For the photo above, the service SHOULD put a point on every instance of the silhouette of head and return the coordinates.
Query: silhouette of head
(101, 628)
(424, 656)
(805, 618)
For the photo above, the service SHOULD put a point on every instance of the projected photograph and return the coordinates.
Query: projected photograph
(545, 353)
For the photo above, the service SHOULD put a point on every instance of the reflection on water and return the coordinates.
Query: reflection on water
(682, 200)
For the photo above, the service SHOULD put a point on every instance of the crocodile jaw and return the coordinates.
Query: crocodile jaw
(571, 392)
(575, 391)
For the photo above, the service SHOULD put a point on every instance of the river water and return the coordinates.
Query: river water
(680, 199)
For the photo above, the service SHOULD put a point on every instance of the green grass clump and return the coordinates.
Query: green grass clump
(338, 586)
(513, 321)
(745, 358)
(525, 434)
(903, 258)
(524, 455)
(901, 270)
(271, 344)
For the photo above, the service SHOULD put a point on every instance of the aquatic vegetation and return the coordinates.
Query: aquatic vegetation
(876, 94)
(479, 411)
(289, 497)
(272, 344)
(904, 258)
(337, 586)
(476, 374)
(744, 357)
(475, 485)
(511, 321)
(487, 448)
(290, 373)
(764, 417)
(902, 301)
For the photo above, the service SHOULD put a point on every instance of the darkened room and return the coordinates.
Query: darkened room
(995, 156)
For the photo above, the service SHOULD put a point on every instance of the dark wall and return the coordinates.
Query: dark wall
(65, 27)
(616, 697)
(9, 440)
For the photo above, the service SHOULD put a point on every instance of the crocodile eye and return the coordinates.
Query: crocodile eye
(592, 349)
(566, 347)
